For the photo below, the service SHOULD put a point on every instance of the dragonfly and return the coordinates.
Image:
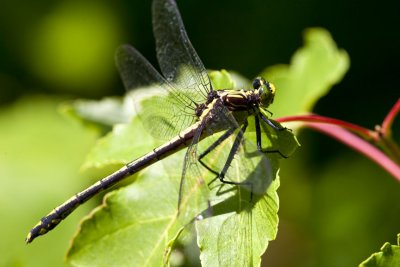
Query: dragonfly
(187, 110)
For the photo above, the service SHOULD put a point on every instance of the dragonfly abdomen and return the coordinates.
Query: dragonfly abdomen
(58, 214)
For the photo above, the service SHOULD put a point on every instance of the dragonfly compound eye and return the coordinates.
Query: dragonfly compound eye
(257, 83)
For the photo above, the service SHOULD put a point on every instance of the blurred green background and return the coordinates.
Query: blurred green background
(337, 207)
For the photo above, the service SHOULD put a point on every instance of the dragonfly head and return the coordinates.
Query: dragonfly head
(265, 90)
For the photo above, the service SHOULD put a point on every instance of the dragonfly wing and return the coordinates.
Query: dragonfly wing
(193, 191)
(178, 59)
(135, 70)
(167, 112)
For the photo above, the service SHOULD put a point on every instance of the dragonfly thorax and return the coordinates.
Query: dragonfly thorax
(262, 95)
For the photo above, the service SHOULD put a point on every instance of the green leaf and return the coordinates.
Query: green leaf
(119, 146)
(134, 226)
(104, 113)
(389, 256)
(228, 80)
(138, 223)
(221, 80)
(240, 238)
(239, 232)
(147, 209)
(313, 70)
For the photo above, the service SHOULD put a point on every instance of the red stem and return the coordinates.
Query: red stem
(388, 121)
(359, 145)
(366, 133)
(341, 130)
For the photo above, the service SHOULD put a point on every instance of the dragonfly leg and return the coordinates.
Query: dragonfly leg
(270, 113)
(258, 133)
(273, 126)
(258, 136)
(232, 152)
(212, 147)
